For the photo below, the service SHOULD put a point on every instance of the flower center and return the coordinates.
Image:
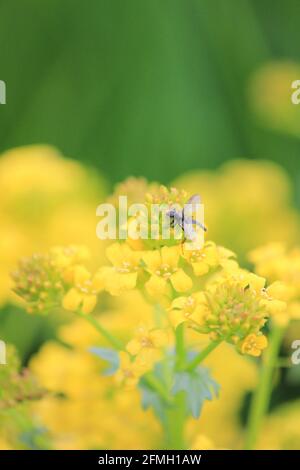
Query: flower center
(198, 256)
(146, 342)
(126, 267)
(165, 271)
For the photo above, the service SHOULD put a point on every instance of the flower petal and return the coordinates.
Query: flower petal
(181, 281)
(156, 285)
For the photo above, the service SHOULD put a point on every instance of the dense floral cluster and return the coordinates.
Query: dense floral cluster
(46, 280)
(204, 289)
(183, 304)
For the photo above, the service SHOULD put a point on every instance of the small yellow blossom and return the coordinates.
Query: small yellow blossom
(83, 294)
(123, 275)
(62, 257)
(164, 270)
(254, 345)
(147, 339)
(190, 309)
(130, 370)
(207, 257)
(148, 344)
(203, 259)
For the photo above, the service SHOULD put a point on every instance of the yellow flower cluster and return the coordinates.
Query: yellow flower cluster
(281, 267)
(233, 308)
(46, 200)
(222, 300)
(203, 289)
(46, 281)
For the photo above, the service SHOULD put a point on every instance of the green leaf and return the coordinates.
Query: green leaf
(198, 386)
(151, 399)
(109, 355)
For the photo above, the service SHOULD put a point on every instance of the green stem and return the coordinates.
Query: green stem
(103, 332)
(202, 355)
(175, 419)
(156, 385)
(180, 347)
(175, 416)
(261, 398)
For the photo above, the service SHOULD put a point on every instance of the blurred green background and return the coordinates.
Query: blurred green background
(144, 87)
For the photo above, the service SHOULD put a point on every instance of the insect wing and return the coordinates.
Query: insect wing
(191, 205)
(194, 199)
(189, 231)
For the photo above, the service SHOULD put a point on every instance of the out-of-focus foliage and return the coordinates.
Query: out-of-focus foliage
(16, 387)
(145, 88)
(281, 430)
(270, 91)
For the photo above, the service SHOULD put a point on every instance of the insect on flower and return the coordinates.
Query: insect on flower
(184, 218)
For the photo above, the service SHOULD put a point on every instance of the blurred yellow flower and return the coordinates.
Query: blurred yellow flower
(83, 295)
(130, 370)
(282, 266)
(83, 409)
(147, 339)
(254, 345)
(46, 200)
(220, 419)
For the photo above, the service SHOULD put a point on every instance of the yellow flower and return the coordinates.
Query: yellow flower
(123, 275)
(64, 256)
(83, 295)
(190, 309)
(281, 290)
(130, 370)
(163, 267)
(254, 344)
(203, 259)
(147, 339)
(283, 267)
(148, 345)
(268, 260)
